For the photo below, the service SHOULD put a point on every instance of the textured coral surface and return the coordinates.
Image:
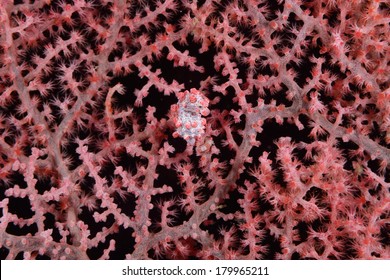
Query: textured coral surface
(166, 129)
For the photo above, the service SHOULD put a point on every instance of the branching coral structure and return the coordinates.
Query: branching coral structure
(166, 129)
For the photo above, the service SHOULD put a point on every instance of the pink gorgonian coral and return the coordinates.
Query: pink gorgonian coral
(166, 129)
